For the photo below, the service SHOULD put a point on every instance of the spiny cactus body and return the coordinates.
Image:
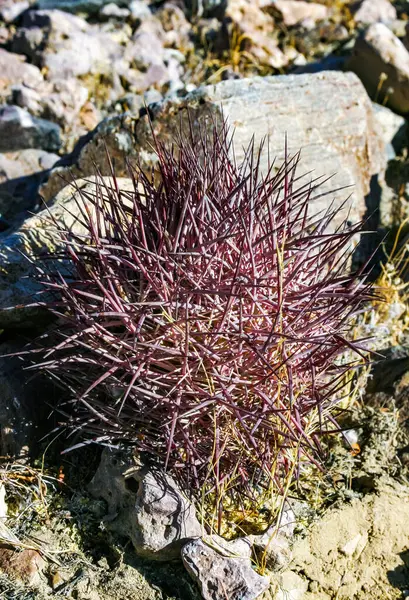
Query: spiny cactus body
(203, 317)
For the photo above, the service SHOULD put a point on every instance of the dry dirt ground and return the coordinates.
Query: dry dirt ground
(359, 551)
(352, 542)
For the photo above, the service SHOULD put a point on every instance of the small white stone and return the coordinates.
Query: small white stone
(396, 310)
(351, 546)
(290, 587)
(351, 436)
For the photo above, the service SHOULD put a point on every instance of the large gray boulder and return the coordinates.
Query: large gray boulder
(327, 115)
(336, 131)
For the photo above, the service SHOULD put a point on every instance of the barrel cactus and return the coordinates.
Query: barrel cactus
(205, 318)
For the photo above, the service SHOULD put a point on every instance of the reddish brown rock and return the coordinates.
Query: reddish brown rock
(25, 565)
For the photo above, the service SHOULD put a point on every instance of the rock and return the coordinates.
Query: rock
(393, 129)
(15, 71)
(60, 100)
(5, 35)
(146, 46)
(139, 10)
(393, 210)
(20, 176)
(146, 62)
(163, 518)
(133, 103)
(238, 548)
(3, 503)
(374, 11)
(177, 29)
(25, 565)
(353, 545)
(44, 31)
(77, 6)
(328, 63)
(66, 45)
(89, 118)
(273, 546)
(220, 577)
(343, 140)
(398, 27)
(206, 8)
(287, 522)
(351, 437)
(19, 130)
(138, 82)
(272, 549)
(294, 12)
(290, 587)
(10, 11)
(152, 97)
(27, 98)
(113, 11)
(81, 54)
(64, 102)
(332, 32)
(381, 61)
(18, 281)
(146, 505)
(28, 41)
(109, 483)
(258, 31)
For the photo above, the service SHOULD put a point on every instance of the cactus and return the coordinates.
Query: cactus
(204, 315)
